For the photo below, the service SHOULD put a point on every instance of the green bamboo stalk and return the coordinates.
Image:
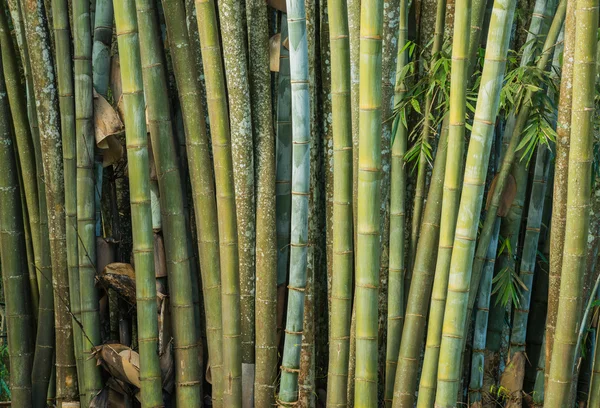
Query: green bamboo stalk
(202, 181)
(343, 254)
(397, 268)
(14, 268)
(44, 342)
(84, 122)
(512, 134)
(25, 149)
(454, 326)
(226, 206)
(298, 46)
(46, 97)
(369, 194)
(578, 202)
(150, 66)
(451, 193)
(418, 300)
(235, 56)
(428, 112)
(559, 194)
(266, 231)
(64, 70)
(354, 7)
(477, 17)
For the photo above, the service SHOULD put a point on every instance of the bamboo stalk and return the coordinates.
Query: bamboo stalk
(512, 133)
(578, 202)
(450, 200)
(298, 46)
(226, 206)
(25, 148)
(235, 56)
(343, 254)
(64, 70)
(46, 97)
(559, 194)
(454, 326)
(103, 30)
(202, 180)
(416, 309)
(266, 233)
(369, 195)
(84, 122)
(150, 65)
(12, 255)
(397, 268)
(428, 112)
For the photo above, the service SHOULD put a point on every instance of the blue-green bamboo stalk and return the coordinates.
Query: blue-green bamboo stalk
(298, 46)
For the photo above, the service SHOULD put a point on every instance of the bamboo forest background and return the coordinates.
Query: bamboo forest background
(308, 203)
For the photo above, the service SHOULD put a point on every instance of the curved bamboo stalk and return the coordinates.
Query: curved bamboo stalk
(578, 201)
(265, 320)
(46, 97)
(12, 254)
(84, 117)
(369, 194)
(296, 20)
(202, 180)
(461, 65)
(559, 194)
(145, 60)
(454, 326)
(226, 207)
(25, 148)
(428, 112)
(512, 133)
(416, 307)
(43, 305)
(343, 254)
(235, 57)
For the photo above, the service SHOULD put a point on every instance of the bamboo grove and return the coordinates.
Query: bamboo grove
(300, 203)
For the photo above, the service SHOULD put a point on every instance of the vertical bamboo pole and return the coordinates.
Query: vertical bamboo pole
(226, 208)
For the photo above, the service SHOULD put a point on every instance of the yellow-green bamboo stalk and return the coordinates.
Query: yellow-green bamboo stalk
(226, 207)
(450, 200)
(266, 235)
(147, 60)
(202, 180)
(343, 253)
(578, 201)
(454, 327)
(368, 225)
